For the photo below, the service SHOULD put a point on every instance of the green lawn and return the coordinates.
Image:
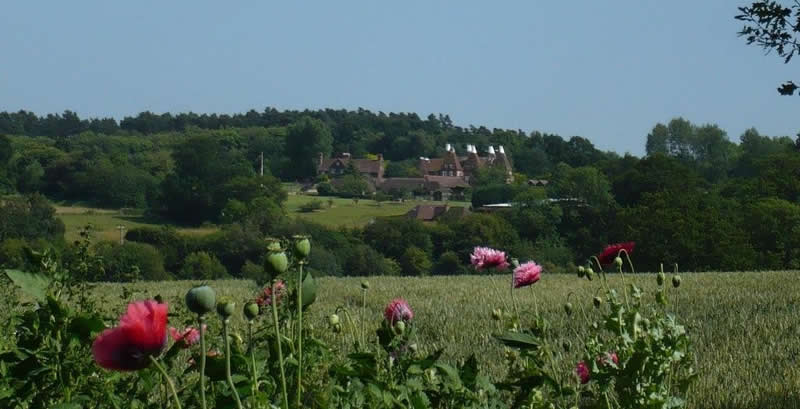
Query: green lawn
(105, 222)
(744, 326)
(345, 212)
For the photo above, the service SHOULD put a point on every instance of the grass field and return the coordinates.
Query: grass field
(744, 326)
(105, 222)
(345, 212)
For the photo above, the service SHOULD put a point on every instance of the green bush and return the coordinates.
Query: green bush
(132, 261)
(202, 266)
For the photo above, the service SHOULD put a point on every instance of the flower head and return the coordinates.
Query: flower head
(265, 298)
(583, 372)
(612, 251)
(485, 257)
(608, 358)
(142, 332)
(527, 274)
(398, 310)
(187, 337)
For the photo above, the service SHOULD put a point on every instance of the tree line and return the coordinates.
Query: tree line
(696, 198)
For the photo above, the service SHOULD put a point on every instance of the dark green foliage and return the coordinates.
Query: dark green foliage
(29, 217)
(202, 266)
(493, 194)
(132, 261)
(305, 140)
(415, 262)
(393, 236)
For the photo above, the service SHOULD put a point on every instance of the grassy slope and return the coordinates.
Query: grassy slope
(345, 212)
(105, 222)
(743, 325)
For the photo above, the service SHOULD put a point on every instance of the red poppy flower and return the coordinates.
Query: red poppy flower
(485, 257)
(187, 338)
(265, 298)
(583, 372)
(612, 251)
(142, 332)
(398, 310)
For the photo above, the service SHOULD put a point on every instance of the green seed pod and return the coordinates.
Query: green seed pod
(400, 327)
(277, 262)
(201, 300)
(365, 285)
(618, 261)
(497, 314)
(273, 245)
(251, 311)
(566, 345)
(589, 274)
(676, 281)
(581, 271)
(568, 309)
(597, 301)
(302, 247)
(660, 298)
(226, 308)
(333, 319)
(660, 278)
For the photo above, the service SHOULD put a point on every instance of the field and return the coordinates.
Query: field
(345, 212)
(105, 222)
(744, 326)
(342, 212)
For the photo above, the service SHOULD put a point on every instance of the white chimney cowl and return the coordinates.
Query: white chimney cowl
(491, 150)
(447, 147)
(501, 150)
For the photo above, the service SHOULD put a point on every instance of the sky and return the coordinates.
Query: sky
(607, 71)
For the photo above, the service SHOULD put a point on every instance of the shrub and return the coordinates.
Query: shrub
(415, 262)
(132, 261)
(202, 266)
(312, 206)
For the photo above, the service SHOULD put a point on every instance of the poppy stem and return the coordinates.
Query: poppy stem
(228, 363)
(278, 340)
(361, 335)
(168, 379)
(252, 359)
(300, 336)
(200, 322)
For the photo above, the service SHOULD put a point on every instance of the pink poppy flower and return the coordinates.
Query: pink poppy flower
(266, 295)
(398, 310)
(187, 338)
(142, 333)
(611, 251)
(583, 372)
(527, 274)
(485, 257)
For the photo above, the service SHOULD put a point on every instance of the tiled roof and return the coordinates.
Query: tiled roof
(363, 165)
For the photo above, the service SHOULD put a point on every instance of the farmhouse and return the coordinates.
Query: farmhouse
(337, 166)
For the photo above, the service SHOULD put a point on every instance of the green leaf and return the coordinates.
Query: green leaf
(84, 326)
(309, 290)
(35, 285)
(518, 340)
(453, 378)
(66, 406)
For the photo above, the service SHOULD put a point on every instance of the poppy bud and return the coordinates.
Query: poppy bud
(597, 301)
(333, 319)
(566, 345)
(302, 247)
(497, 314)
(589, 274)
(201, 300)
(159, 299)
(251, 311)
(581, 271)
(676, 281)
(413, 347)
(568, 309)
(400, 327)
(618, 261)
(365, 285)
(277, 262)
(337, 329)
(226, 308)
(660, 278)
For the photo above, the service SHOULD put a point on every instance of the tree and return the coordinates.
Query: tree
(773, 26)
(29, 217)
(415, 262)
(202, 266)
(305, 140)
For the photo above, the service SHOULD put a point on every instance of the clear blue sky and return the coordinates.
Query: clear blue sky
(608, 71)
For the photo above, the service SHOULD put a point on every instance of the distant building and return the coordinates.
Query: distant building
(337, 166)
(428, 213)
(466, 166)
